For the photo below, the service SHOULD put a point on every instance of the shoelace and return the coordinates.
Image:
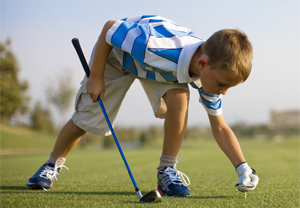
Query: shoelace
(185, 179)
(175, 175)
(182, 175)
(51, 172)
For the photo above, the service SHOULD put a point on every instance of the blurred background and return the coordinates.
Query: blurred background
(40, 71)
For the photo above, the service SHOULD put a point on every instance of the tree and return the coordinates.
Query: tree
(41, 119)
(13, 98)
(60, 92)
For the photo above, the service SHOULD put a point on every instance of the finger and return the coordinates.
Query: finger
(94, 98)
(254, 179)
(101, 95)
(252, 184)
(243, 188)
(239, 188)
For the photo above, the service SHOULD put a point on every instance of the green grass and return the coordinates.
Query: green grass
(18, 140)
(98, 178)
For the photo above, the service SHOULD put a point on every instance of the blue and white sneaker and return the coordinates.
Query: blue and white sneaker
(172, 182)
(45, 176)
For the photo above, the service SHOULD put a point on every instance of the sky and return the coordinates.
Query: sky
(41, 33)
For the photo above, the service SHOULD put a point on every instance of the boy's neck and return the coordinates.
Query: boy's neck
(193, 69)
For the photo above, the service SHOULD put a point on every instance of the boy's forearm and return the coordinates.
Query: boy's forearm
(102, 52)
(227, 141)
(230, 146)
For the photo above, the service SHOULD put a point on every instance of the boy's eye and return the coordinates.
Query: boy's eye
(222, 85)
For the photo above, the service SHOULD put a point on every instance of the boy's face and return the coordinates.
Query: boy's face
(216, 81)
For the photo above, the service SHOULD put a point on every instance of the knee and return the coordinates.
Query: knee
(74, 129)
(177, 99)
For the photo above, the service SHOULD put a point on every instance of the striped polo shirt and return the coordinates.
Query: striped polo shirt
(159, 49)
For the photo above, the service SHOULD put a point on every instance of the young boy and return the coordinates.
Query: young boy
(165, 57)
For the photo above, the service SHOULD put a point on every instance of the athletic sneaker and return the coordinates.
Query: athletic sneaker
(172, 182)
(45, 176)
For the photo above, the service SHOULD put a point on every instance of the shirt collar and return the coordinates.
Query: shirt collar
(185, 60)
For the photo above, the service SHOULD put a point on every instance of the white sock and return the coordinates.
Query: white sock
(52, 159)
(166, 161)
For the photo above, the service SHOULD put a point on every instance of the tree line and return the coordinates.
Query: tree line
(15, 103)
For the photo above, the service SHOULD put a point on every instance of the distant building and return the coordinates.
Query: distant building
(283, 120)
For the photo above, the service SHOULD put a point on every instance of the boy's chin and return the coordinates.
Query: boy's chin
(210, 92)
(207, 91)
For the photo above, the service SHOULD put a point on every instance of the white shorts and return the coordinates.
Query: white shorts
(88, 115)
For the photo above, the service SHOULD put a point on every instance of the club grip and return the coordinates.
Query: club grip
(80, 54)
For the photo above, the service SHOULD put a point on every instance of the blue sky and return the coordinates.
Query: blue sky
(41, 33)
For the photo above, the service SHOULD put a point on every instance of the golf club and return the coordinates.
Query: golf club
(152, 196)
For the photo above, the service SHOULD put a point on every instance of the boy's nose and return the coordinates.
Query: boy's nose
(223, 91)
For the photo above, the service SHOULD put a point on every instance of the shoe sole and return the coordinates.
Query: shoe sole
(37, 187)
(163, 194)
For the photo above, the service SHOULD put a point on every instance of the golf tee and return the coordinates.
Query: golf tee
(245, 194)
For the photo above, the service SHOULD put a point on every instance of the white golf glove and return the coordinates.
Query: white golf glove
(248, 179)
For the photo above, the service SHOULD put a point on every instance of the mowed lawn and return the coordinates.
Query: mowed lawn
(98, 178)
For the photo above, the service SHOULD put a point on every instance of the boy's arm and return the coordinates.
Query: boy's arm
(247, 178)
(226, 139)
(95, 85)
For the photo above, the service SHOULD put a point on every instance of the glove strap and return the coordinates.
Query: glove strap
(240, 164)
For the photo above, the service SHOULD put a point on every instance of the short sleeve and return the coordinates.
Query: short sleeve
(211, 102)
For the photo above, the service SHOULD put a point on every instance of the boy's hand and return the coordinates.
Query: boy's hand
(95, 87)
(248, 179)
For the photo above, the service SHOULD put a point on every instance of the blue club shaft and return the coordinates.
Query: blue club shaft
(119, 148)
(86, 68)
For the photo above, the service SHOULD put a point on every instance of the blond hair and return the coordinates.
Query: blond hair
(230, 49)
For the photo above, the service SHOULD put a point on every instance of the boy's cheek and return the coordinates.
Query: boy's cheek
(206, 87)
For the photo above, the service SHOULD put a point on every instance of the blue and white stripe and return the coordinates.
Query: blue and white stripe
(157, 48)
(154, 45)
(211, 102)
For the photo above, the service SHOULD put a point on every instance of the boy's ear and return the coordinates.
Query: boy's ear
(203, 62)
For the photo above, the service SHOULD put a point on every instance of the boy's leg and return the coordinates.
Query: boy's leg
(177, 101)
(170, 101)
(67, 139)
(170, 180)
